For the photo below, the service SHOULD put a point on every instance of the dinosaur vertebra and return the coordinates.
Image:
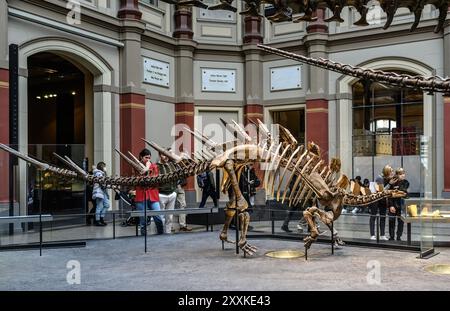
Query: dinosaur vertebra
(430, 84)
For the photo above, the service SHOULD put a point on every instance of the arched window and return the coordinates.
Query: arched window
(387, 124)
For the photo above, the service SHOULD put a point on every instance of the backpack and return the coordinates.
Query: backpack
(202, 180)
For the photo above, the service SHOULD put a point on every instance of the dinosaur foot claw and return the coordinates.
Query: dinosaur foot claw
(224, 238)
(248, 249)
(308, 241)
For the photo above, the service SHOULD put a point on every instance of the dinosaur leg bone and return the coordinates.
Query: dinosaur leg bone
(241, 206)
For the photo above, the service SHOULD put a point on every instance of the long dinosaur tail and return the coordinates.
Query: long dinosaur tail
(361, 200)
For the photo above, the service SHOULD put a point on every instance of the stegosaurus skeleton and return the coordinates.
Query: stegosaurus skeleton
(284, 160)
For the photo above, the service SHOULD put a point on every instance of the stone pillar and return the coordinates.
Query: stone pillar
(252, 30)
(253, 108)
(4, 134)
(447, 143)
(184, 106)
(4, 101)
(132, 97)
(447, 110)
(316, 99)
(183, 23)
(132, 126)
(129, 9)
(184, 141)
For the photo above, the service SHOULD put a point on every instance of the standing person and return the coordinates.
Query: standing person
(206, 182)
(100, 196)
(399, 182)
(248, 183)
(181, 199)
(167, 191)
(379, 207)
(148, 197)
(356, 191)
(292, 210)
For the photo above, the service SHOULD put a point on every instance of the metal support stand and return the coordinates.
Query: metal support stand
(273, 222)
(114, 226)
(237, 232)
(41, 183)
(212, 225)
(408, 233)
(332, 238)
(378, 228)
(137, 228)
(223, 245)
(207, 223)
(145, 220)
(306, 253)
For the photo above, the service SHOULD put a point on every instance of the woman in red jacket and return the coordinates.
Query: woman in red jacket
(148, 197)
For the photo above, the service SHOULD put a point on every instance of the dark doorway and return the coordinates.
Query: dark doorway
(55, 101)
(293, 120)
(56, 123)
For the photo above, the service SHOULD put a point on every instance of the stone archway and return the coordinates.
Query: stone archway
(98, 117)
(344, 106)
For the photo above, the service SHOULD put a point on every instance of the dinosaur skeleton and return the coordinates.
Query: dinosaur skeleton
(283, 10)
(430, 84)
(283, 158)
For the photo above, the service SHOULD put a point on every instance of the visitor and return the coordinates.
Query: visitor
(248, 183)
(167, 191)
(100, 195)
(181, 199)
(292, 210)
(205, 181)
(400, 183)
(148, 197)
(356, 191)
(379, 207)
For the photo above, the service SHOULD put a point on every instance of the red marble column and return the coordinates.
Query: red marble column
(129, 9)
(132, 126)
(319, 25)
(317, 124)
(447, 143)
(253, 112)
(252, 30)
(4, 134)
(184, 141)
(183, 23)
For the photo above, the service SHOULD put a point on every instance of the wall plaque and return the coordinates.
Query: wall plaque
(218, 80)
(285, 78)
(156, 72)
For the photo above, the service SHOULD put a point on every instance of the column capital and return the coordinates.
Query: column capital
(129, 9)
(183, 23)
(252, 30)
(318, 26)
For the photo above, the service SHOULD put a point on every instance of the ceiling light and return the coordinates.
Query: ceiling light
(74, 93)
(54, 95)
(50, 95)
(38, 97)
(45, 96)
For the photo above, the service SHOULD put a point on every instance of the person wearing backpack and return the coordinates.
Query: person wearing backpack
(205, 181)
(100, 196)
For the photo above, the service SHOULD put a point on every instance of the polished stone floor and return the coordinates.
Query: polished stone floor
(196, 261)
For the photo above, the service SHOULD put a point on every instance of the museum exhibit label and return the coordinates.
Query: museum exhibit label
(285, 78)
(156, 72)
(218, 80)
